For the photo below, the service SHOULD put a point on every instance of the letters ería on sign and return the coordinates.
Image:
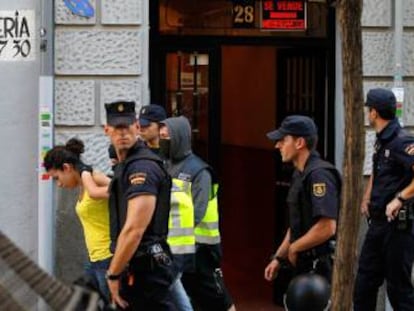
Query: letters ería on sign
(17, 35)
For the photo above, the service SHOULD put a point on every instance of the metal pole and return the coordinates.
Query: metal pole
(46, 232)
(398, 87)
(179, 92)
(196, 94)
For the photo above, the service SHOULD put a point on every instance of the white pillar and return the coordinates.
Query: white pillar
(46, 216)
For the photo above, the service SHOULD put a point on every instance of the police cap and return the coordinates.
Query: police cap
(151, 113)
(120, 113)
(295, 125)
(381, 99)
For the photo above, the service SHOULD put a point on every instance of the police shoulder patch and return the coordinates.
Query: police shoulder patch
(137, 178)
(319, 189)
(410, 149)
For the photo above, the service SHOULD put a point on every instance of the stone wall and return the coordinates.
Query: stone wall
(378, 58)
(97, 60)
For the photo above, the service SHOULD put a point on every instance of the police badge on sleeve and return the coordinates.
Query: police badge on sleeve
(410, 150)
(319, 189)
(137, 178)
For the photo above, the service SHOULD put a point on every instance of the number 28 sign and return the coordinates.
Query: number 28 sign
(243, 13)
(17, 35)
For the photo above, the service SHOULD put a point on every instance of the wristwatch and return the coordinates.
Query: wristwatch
(112, 277)
(400, 198)
(278, 258)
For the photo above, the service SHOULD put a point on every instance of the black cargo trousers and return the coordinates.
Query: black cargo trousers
(146, 282)
(387, 254)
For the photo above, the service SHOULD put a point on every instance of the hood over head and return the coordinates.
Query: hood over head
(179, 129)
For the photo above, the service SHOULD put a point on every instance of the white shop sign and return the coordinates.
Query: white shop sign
(17, 35)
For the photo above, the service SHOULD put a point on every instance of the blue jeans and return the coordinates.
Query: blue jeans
(179, 295)
(96, 272)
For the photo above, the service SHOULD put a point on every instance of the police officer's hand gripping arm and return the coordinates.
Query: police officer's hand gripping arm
(140, 211)
(96, 184)
(282, 252)
(395, 205)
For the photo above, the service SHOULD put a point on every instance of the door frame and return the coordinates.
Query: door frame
(160, 44)
(158, 87)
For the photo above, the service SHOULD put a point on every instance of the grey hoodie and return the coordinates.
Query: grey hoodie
(182, 163)
(180, 133)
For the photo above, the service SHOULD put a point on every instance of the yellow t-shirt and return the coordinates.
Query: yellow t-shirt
(94, 217)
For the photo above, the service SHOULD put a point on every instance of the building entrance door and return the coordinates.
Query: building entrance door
(302, 88)
(248, 110)
(235, 85)
(233, 95)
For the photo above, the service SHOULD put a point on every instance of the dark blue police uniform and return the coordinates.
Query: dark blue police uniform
(388, 249)
(150, 271)
(314, 193)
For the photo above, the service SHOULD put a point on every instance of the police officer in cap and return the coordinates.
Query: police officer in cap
(139, 208)
(149, 120)
(313, 200)
(388, 249)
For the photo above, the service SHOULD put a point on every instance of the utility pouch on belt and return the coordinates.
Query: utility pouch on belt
(149, 257)
(159, 255)
(405, 218)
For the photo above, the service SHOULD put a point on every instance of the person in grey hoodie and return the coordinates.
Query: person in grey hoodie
(193, 182)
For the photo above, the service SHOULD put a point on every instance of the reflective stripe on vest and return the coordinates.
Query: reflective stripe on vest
(181, 236)
(207, 231)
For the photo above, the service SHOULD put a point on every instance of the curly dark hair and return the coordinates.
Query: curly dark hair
(69, 153)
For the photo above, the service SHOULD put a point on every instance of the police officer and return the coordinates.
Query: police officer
(139, 208)
(313, 201)
(194, 201)
(388, 249)
(181, 214)
(149, 120)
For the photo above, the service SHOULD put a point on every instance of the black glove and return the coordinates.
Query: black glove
(82, 167)
(112, 152)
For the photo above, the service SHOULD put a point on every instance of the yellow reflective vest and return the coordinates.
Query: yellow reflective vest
(207, 231)
(181, 237)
